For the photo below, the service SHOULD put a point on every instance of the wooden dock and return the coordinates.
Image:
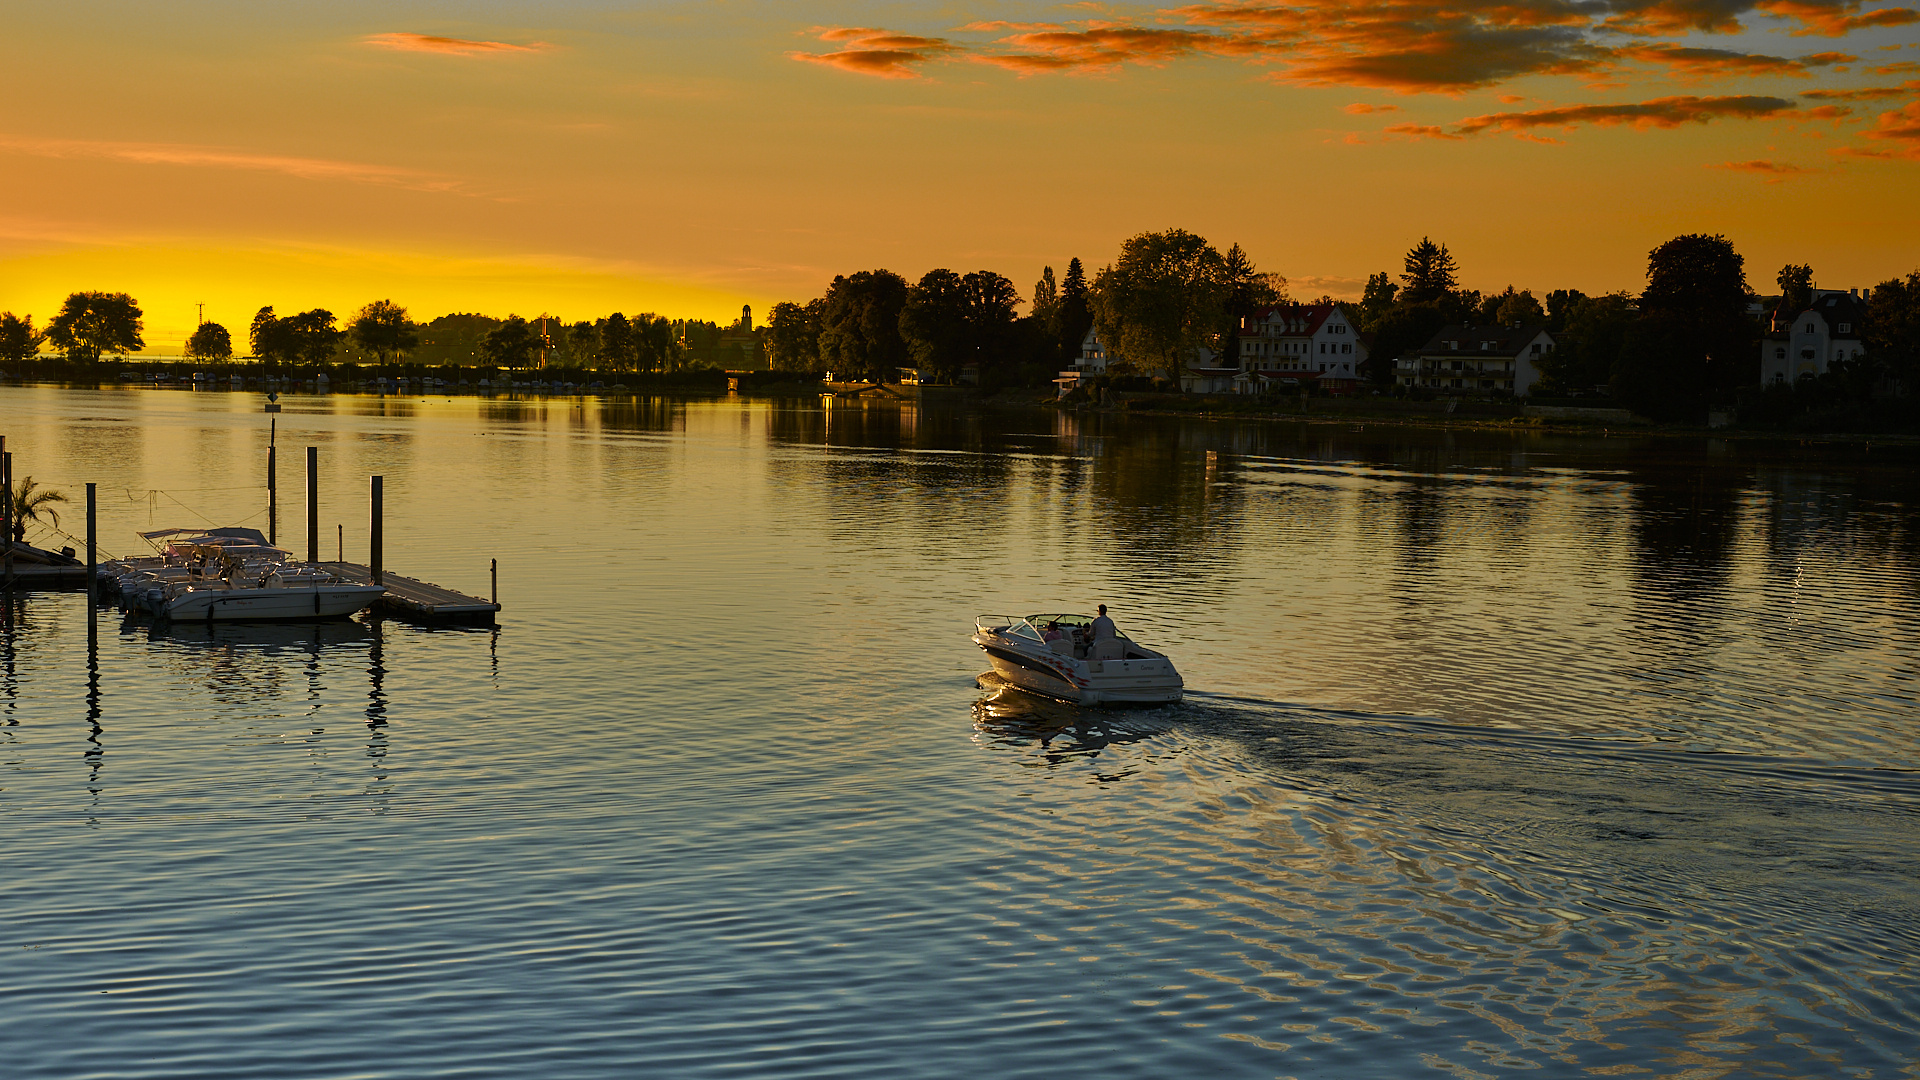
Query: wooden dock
(42, 576)
(411, 598)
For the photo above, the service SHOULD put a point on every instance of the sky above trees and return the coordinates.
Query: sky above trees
(575, 157)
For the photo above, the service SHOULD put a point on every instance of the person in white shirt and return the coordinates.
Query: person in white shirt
(1103, 626)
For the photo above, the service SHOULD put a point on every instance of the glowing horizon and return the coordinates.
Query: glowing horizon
(580, 159)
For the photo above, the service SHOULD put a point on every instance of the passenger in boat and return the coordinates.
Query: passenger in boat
(1103, 626)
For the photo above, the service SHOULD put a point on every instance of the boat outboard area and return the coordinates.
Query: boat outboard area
(1058, 656)
(228, 574)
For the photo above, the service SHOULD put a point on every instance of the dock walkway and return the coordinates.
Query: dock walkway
(412, 598)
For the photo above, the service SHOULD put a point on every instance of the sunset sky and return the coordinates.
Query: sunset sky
(578, 158)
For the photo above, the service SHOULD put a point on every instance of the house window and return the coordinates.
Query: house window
(1779, 354)
(1846, 328)
(1453, 346)
(1536, 348)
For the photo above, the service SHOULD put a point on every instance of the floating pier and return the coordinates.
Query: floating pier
(411, 598)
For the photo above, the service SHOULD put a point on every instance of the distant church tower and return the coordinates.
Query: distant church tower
(746, 317)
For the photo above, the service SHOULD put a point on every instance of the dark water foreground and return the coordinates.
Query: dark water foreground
(1509, 755)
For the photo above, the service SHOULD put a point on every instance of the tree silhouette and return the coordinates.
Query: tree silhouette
(860, 326)
(1796, 288)
(383, 329)
(31, 505)
(210, 341)
(1162, 300)
(92, 323)
(512, 343)
(1430, 273)
(19, 341)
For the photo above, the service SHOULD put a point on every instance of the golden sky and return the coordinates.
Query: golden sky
(579, 158)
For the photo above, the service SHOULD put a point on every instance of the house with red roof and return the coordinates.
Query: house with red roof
(1291, 345)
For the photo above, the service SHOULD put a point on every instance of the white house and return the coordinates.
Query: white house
(1301, 338)
(1805, 342)
(1482, 361)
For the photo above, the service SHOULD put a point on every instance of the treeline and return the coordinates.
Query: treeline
(1687, 342)
(1169, 297)
(94, 324)
(871, 324)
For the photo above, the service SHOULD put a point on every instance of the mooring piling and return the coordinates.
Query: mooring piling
(93, 559)
(273, 495)
(6, 520)
(313, 504)
(494, 569)
(377, 528)
(93, 589)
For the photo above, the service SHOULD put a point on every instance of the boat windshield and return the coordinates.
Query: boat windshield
(1023, 630)
(1071, 621)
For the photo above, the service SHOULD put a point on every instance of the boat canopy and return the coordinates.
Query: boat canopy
(207, 536)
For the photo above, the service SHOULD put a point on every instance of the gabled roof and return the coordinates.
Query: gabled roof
(1313, 316)
(1501, 341)
(1834, 307)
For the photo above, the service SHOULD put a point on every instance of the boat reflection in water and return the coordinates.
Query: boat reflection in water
(265, 637)
(1009, 717)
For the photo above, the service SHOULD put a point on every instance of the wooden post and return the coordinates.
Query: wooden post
(6, 573)
(495, 598)
(93, 564)
(377, 529)
(340, 543)
(273, 495)
(6, 515)
(313, 504)
(93, 599)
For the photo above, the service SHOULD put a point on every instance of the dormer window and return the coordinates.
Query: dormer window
(1453, 346)
(1809, 328)
(1846, 328)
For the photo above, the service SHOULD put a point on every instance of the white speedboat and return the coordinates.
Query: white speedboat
(228, 575)
(286, 592)
(1073, 667)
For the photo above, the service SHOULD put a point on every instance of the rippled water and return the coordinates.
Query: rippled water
(1507, 753)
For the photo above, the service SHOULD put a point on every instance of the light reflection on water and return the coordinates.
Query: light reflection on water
(1508, 752)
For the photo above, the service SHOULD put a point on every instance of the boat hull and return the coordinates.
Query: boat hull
(1110, 682)
(237, 605)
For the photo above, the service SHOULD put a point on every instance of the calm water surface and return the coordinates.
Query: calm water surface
(1507, 754)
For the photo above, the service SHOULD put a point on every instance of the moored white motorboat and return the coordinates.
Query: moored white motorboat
(1072, 666)
(229, 575)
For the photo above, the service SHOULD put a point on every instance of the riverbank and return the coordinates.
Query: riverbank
(1459, 413)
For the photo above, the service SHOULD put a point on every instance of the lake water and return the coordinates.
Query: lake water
(1505, 753)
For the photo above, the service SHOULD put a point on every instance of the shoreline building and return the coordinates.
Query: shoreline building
(1299, 344)
(1483, 361)
(1806, 342)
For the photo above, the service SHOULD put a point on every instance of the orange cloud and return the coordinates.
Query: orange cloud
(1666, 112)
(1412, 46)
(1869, 93)
(1901, 68)
(1774, 171)
(1836, 18)
(1422, 131)
(1361, 108)
(1901, 125)
(429, 43)
(878, 52)
(216, 158)
(1694, 63)
(1671, 18)
(1099, 47)
(1408, 46)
